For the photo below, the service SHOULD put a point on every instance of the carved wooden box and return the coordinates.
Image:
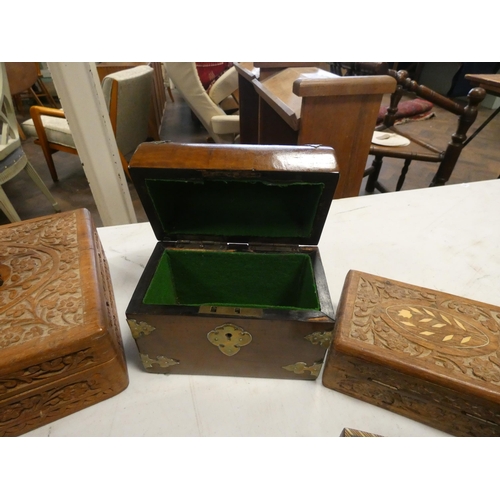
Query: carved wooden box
(60, 344)
(235, 285)
(427, 355)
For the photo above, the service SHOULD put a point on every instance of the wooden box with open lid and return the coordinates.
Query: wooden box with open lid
(235, 284)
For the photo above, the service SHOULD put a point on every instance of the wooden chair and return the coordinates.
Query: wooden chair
(128, 96)
(24, 78)
(446, 158)
(12, 157)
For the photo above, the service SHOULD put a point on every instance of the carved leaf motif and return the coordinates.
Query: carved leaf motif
(446, 319)
(495, 360)
(486, 371)
(441, 330)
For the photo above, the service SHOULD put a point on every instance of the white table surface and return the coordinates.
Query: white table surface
(445, 238)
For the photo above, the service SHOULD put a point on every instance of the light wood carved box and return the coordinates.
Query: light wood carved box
(235, 284)
(60, 343)
(427, 355)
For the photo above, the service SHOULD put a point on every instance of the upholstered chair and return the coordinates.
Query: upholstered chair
(13, 160)
(209, 106)
(127, 94)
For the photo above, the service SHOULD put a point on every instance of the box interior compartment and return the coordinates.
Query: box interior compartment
(238, 279)
(235, 208)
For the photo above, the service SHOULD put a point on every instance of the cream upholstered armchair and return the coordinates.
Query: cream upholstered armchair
(128, 96)
(209, 106)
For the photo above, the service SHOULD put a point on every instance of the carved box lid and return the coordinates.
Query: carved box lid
(434, 336)
(56, 301)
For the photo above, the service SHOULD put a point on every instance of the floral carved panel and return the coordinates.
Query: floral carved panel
(433, 328)
(40, 282)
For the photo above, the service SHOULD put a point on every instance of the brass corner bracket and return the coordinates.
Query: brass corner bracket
(301, 368)
(162, 361)
(139, 329)
(322, 338)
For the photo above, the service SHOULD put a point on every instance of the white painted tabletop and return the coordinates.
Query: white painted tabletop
(445, 238)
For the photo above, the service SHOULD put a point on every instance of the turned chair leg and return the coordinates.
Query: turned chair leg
(402, 177)
(372, 181)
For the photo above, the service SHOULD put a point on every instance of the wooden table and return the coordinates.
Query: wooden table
(308, 105)
(433, 237)
(490, 83)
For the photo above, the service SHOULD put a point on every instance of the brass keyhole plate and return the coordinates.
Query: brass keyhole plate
(229, 338)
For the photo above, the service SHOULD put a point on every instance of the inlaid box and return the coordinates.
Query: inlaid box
(427, 355)
(60, 343)
(235, 285)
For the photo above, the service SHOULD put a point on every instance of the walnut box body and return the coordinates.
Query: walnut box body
(427, 355)
(235, 285)
(60, 344)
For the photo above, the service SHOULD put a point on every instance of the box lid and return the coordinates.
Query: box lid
(52, 309)
(235, 193)
(441, 338)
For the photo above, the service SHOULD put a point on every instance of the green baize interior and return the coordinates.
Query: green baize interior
(228, 208)
(239, 279)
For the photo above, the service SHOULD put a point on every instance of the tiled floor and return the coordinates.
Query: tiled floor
(479, 161)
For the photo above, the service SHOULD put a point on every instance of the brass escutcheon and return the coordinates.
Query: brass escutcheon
(229, 338)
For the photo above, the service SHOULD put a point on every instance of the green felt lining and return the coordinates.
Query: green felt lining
(239, 279)
(225, 208)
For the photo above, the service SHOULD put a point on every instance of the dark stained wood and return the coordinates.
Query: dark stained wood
(173, 338)
(61, 343)
(248, 103)
(427, 355)
(446, 157)
(359, 68)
